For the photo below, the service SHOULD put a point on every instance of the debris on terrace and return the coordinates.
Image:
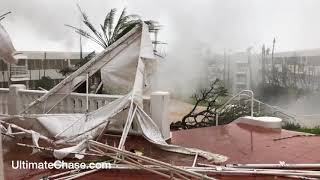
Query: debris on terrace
(121, 132)
(133, 54)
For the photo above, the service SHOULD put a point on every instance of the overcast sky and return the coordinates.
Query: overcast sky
(215, 24)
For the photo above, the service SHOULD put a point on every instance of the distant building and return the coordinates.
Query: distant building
(241, 77)
(301, 67)
(240, 71)
(243, 70)
(215, 72)
(33, 65)
(233, 69)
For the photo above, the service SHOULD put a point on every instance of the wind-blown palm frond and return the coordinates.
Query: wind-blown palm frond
(124, 22)
(93, 29)
(125, 28)
(108, 25)
(123, 14)
(4, 15)
(111, 30)
(85, 34)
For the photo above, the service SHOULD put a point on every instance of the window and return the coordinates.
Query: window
(242, 67)
(46, 64)
(37, 64)
(21, 62)
(242, 78)
(58, 64)
(31, 64)
(51, 64)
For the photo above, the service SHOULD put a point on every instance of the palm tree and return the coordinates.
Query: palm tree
(111, 30)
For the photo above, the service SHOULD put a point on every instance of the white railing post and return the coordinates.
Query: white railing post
(159, 103)
(15, 104)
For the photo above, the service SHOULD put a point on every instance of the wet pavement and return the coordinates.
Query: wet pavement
(244, 143)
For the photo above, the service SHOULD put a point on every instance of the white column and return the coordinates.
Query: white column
(15, 105)
(159, 105)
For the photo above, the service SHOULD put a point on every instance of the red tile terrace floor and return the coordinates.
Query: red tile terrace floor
(240, 142)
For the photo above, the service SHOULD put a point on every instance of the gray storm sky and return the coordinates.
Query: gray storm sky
(192, 24)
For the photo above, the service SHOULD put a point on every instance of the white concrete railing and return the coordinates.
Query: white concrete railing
(16, 98)
(74, 103)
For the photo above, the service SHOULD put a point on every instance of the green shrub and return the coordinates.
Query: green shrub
(297, 127)
(45, 82)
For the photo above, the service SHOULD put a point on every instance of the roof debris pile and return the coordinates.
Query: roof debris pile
(126, 63)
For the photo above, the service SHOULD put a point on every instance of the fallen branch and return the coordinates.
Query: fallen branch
(298, 135)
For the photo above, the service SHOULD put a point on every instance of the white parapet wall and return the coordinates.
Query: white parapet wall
(265, 121)
(159, 112)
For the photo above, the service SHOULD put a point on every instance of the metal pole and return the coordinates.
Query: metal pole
(263, 64)
(272, 60)
(40, 69)
(251, 104)
(217, 119)
(45, 63)
(250, 67)
(80, 36)
(195, 160)
(225, 68)
(87, 91)
(9, 74)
